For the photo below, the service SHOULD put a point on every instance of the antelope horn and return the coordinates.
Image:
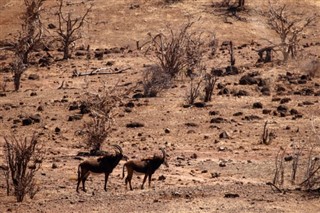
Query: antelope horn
(118, 147)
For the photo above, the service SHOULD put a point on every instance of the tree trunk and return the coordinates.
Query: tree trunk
(66, 51)
(241, 3)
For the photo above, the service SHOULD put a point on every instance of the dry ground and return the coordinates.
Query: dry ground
(194, 152)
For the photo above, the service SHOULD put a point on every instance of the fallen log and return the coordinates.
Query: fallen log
(99, 71)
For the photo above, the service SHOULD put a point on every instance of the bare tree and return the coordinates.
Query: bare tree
(68, 28)
(289, 29)
(28, 40)
(23, 158)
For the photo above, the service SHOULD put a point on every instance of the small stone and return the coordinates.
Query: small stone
(222, 164)
(224, 135)
(26, 121)
(33, 94)
(161, 177)
(215, 175)
(54, 166)
(231, 195)
(34, 77)
(75, 117)
(57, 130)
(257, 105)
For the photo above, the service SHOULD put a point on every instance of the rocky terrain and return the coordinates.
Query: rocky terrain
(217, 162)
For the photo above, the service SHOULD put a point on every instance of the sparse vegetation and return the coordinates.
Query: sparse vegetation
(206, 102)
(102, 108)
(305, 166)
(23, 158)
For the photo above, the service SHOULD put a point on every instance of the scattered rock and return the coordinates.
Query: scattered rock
(252, 117)
(26, 121)
(217, 72)
(138, 95)
(231, 195)
(51, 26)
(213, 112)
(215, 175)
(224, 135)
(161, 177)
(191, 131)
(73, 106)
(257, 105)
(40, 108)
(191, 124)
(130, 104)
(282, 109)
(167, 130)
(248, 80)
(222, 164)
(33, 94)
(98, 55)
(57, 130)
(194, 156)
(84, 109)
(218, 120)
(54, 166)
(75, 117)
(285, 100)
(34, 77)
(238, 114)
(294, 112)
(135, 125)
(199, 104)
(241, 93)
(266, 111)
(288, 158)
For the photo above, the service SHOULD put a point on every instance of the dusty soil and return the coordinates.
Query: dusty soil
(204, 168)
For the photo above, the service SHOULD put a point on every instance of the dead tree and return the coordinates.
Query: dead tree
(289, 29)
(28, 40)
(68, 28)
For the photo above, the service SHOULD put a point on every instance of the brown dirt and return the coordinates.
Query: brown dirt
(188, 185)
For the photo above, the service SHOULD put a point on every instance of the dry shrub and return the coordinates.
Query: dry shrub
(23, 159)
(178, 51)
(154, 81)
(194, 90)
(210, 81)
(97, 130)
(304, 167)
(101, 107)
